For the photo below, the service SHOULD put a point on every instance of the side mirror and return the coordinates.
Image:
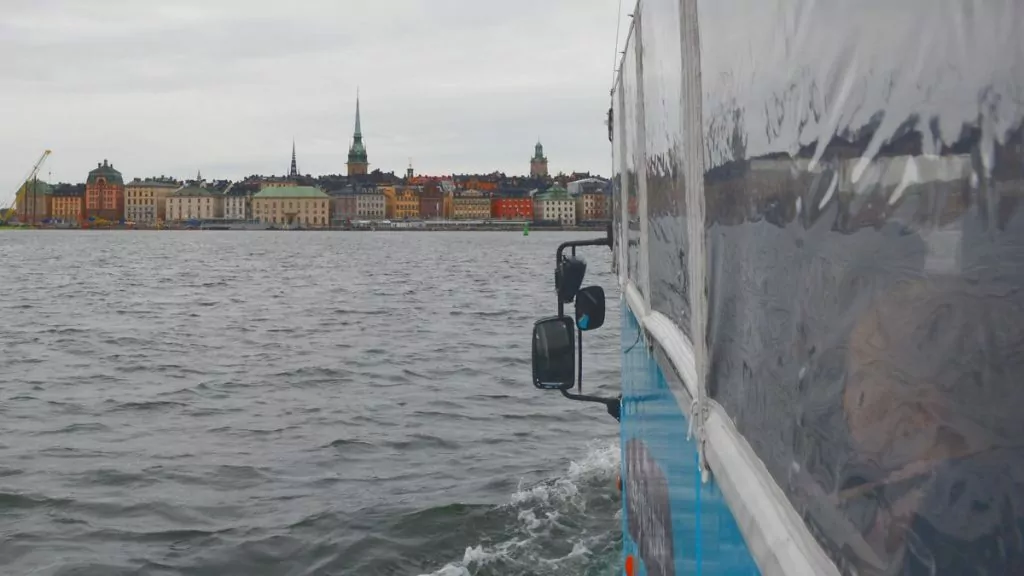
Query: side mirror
(569, 275)
(590, 308)
(554, 354)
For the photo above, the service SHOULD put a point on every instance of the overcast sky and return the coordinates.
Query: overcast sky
(223, 86)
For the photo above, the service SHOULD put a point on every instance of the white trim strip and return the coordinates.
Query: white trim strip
(776, 536)
(677, 348)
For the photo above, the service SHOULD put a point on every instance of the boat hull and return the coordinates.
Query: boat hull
(687, 526)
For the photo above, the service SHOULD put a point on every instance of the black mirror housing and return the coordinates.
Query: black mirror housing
(554, 353)
(590, 308)
(569, 275)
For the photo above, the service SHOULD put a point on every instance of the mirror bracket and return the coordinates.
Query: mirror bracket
(612, 405)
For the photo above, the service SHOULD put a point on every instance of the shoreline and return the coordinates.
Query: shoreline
(598, 229)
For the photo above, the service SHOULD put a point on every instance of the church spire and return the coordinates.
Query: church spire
(357, 160)
(359, 130)
(295, 168)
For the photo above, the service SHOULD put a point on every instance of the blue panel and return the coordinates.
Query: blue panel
(672, 524)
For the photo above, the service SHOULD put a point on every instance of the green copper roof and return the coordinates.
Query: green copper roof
(554, 193)
(106, 171)
(40, 188)
(291, 192)
(538, 152)
(357, 153)
(193, 191)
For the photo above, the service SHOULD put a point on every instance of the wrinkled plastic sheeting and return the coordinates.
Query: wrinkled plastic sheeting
(661, 79)
(633, 157)
(863, 169)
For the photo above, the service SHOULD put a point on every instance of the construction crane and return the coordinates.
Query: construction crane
(5, 215)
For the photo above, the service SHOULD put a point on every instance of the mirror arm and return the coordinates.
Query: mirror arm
(611, 404)
(579, 359)
(579, 243)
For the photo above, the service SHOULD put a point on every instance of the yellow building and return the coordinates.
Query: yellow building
(407, 203)
(390, 194)
(194, 203)
(401, 202)
(471, 205)
(146, 200)
(303, 206)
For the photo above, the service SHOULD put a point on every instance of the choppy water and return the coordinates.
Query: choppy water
(295, 403)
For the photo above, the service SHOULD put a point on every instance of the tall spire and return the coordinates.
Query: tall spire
(357, 161)
(295, 169)
(359, 130)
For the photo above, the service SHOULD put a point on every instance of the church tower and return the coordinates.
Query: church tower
(539, 163)
(357, 162)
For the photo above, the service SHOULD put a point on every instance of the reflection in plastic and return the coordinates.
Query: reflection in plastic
(864, 166)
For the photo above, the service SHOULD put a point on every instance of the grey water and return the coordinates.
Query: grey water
(274, 403)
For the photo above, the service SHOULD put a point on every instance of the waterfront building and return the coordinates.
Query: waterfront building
(145, 201)
(434, 203)
(238, 203)
(555, 205)
(592, 205)
(194, 203)
(33, 202)
(104, 193)
(304, 206)
(512, 205)
(539, 162)
(402, 202)
(370, 204)
(390, 191)
(471, 205)
(358, 164)
(68, 203)
(343, 205)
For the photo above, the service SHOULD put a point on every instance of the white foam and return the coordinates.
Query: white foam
(539, 509)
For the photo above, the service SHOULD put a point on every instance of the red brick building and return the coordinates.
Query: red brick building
(512, 208)
(104, 193)
(432, 202)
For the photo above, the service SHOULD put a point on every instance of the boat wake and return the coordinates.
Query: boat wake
(565, 525)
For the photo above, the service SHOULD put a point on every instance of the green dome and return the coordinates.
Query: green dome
(107, 172)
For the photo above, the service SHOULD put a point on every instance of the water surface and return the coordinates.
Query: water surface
(295, 403)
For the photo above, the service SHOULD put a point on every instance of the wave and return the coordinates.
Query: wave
(80, 427)
(558, 526)
(148, 405)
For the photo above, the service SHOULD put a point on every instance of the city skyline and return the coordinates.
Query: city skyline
(457, 87)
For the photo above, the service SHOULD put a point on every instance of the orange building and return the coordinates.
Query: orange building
(104, 193)
(68, 203)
